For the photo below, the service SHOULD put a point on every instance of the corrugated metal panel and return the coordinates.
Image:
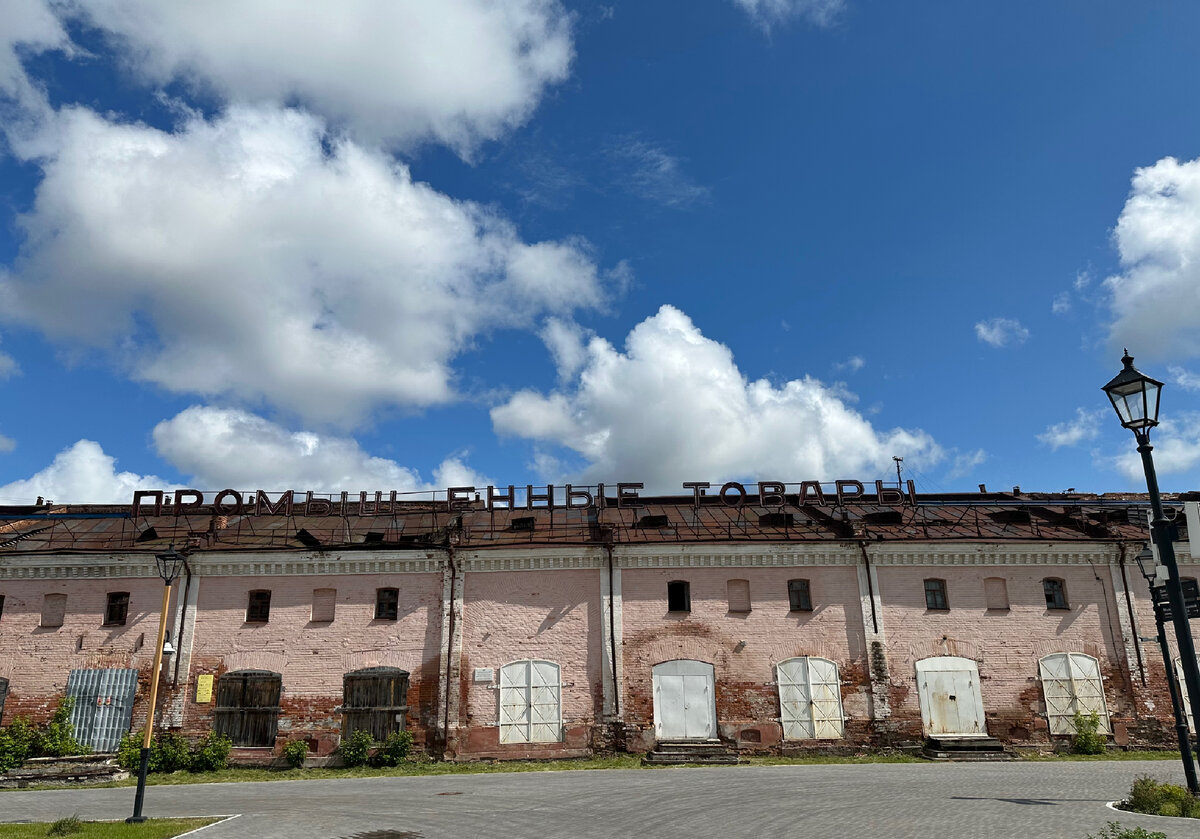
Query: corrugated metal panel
(103, 708)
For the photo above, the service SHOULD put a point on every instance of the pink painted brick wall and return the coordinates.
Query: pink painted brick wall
(312, 657)
(711, 633)
(37, 660)
(1006, 645)
(554, 616)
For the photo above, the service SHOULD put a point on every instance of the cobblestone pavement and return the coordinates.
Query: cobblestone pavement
(930, 801)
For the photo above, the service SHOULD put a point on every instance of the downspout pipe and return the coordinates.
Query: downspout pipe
(449, 647)
(612, 625)
(183, 604)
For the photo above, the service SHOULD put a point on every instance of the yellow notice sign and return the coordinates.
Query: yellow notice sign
(204, 688)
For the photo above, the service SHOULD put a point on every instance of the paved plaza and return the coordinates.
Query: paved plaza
(1028, 800)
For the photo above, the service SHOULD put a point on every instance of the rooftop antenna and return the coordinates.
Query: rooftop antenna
(899, 460)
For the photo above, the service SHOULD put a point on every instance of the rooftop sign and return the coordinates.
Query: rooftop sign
(774, 494)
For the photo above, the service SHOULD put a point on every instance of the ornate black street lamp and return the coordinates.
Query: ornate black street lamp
(168, 564)
(1135, 398)
(1148, 567)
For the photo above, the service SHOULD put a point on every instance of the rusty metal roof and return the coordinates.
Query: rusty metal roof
(422, 525)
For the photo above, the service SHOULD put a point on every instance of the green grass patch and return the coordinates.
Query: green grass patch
(73, 827)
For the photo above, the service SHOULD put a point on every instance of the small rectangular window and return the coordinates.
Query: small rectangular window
(1056, 593)
(54, 609)
(679, 596)
(995, 593)
(323, 604)
(935, 595)
(258, 609)
(117, 610)
(739, 595)
(387, 604)
(799, 596)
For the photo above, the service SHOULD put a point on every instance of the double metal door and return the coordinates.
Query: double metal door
(684, 701)
(103, 708)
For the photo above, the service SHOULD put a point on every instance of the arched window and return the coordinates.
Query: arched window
(247, 710)
(530, 702)
(810, 699)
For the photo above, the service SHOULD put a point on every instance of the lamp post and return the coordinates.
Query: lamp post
(1134, 396)
(1145, 562)
(168, 564)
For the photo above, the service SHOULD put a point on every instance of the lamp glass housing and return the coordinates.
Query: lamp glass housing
(169, 564)
(1134, 396)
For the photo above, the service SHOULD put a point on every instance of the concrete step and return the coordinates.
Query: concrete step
(712, 752)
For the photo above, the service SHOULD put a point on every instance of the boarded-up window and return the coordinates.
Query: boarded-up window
(387, 604)
(995, 593)
(810, 699)
(530, 707)
(1071, 682)
(374, 700)
(247, 709)
(54, 609)
(116, 611)
(799, 596)
(258, 606)
(323, 605)
(739, 595)
(679, 596)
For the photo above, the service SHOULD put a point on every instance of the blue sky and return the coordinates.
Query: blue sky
(411, 245)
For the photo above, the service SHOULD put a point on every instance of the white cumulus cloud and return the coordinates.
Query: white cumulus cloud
(1155, 300)
(455, 71)
(674, 406)
(80, 474)
(1085, 426)
(224, 447)
(1185, 378)
(1176, 450)
(257, 256)
(29, 26)
(1001, 332)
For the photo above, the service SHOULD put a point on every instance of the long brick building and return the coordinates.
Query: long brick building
(502, 624)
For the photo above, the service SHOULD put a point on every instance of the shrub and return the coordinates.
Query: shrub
(210, 753)
(1115, 831)
(170, 752)
(18, 742)
(1087, 740)
(1150, 796)
(295, 751)
(394, 749)
(356, 748)
(129, 752)
(58, 737)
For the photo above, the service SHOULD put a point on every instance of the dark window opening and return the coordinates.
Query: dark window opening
(117, 610)
(523, 524)
(654, 521)
(679, 596)
(387, 604)
(258, 609)
(935, 595)
(799, 596)
(374, 700)
(307, 539)
(3, 694)
(247, 710)
(1010, 516)
(373, 537)
(776, 519)
(147, 535)
(1, 606)
(884, 517)
(1056, 593)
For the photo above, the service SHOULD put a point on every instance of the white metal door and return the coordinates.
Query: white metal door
(950, 699)
(530, 702)
(1183, 692)
(1071, 682)
(684, 702)
(810, 699)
